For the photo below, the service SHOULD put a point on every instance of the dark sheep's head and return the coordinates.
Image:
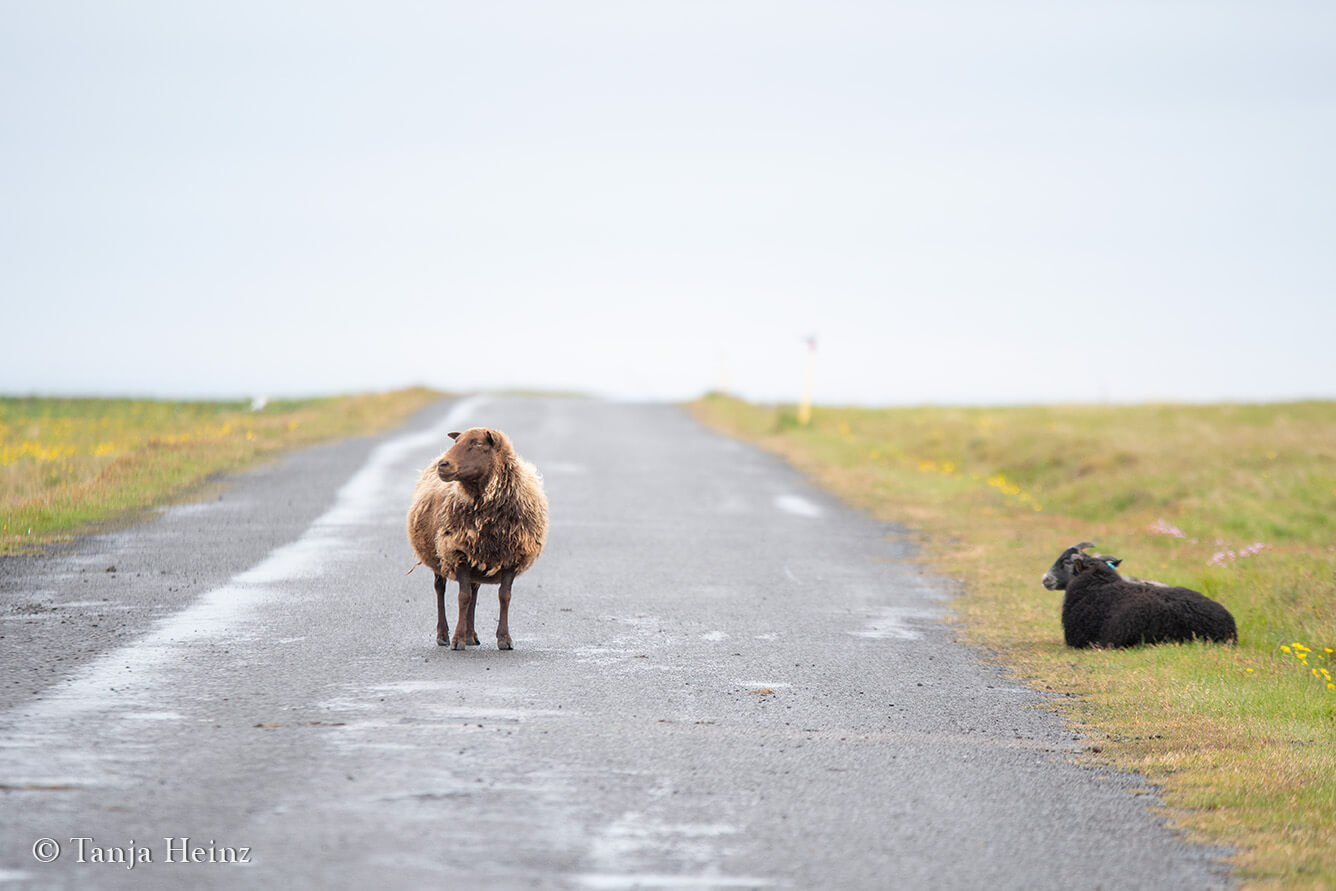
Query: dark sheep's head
(1071, 562)
(473, 456)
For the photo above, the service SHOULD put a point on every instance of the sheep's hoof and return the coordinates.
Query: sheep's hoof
(473, 640)
(458, 644)
(442, 642)
(503, 643)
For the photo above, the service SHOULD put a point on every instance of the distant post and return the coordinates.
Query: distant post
(805, 406)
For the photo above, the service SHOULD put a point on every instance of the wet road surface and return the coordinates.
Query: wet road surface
(722, 678)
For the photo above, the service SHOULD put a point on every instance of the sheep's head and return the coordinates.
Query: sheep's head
(1094, 566)
(473, 456)
(1065, 568)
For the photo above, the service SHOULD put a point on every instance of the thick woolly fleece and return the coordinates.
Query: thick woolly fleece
(1103, 609)
(502, 527)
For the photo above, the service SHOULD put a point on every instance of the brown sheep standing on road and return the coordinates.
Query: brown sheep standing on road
(479, 516)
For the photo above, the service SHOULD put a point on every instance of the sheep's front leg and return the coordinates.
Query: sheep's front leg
(473, 606)
(503, 624)
(442, 626)
(461, 638)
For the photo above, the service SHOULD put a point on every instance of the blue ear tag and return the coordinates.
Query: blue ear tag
(1111, 564)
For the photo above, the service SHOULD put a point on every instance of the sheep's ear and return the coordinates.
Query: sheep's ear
(1113, 561)
(491, 439)
(454, 435)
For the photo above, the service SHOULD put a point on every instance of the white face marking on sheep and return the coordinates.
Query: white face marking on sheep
(1064, 568)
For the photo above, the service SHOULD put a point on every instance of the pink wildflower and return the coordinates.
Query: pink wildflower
(1160, 527)
(1220, 558)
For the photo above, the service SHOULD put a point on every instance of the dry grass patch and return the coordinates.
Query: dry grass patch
(69, 463)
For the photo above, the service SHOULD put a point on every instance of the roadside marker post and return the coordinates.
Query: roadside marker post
(805, 406)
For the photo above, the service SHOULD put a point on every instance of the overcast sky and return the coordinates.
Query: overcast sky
(966, 202)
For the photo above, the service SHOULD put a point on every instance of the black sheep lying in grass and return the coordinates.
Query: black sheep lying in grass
(1103, 609)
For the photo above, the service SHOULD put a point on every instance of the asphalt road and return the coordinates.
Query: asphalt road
(722, 678)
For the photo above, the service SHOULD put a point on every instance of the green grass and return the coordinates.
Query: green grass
(1242, 740)
(67, 464)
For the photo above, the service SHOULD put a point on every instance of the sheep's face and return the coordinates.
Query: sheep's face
(1064, 569)
(472, 456)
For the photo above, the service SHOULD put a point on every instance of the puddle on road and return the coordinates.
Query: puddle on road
(626, 851)
(421, 687)
(798, 506)
(893, 623)
(196, 508)
(401, 707)
(600, 655)
(619, 881)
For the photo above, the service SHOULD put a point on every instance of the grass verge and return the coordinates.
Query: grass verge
(1236, 501)
(66, 464)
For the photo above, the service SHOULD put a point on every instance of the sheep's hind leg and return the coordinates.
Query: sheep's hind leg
(442, 626)
(503, 641)
(461, 638)
(473, 606)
